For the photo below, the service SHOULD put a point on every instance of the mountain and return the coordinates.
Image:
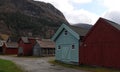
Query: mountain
(83, 25)
(28, 17)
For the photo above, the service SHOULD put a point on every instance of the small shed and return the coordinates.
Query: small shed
(10, 48)
(101, 45)
(25, 45)
(67, 41)
(44, 47)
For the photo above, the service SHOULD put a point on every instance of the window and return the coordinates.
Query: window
(66, 32)
(59, 47)
(73, 46)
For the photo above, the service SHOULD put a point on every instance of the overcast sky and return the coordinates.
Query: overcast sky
(87, 11)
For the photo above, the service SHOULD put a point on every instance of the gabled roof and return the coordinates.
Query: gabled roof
(117, 26)
(12, 39)
(75, 31)
(1, 43)
(25, 39)
(11, 44)
(46, 43)
(79, 30)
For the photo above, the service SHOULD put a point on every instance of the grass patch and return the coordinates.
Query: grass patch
(8, 66)
(84, 67)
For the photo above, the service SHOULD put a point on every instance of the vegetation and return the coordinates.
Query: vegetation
(29, 17)
(8, 66)
(84, 67)
(19, 23)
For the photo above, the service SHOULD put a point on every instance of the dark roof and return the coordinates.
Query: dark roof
(25, 39)
(46, 43)
(11, 44)
(75, 31)
(1, 43)
(81, 31)
(117, 26)
(12, 39)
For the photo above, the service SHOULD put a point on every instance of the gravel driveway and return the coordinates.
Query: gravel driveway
(38, 64)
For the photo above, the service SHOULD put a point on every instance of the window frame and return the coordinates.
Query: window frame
(65, 32)
(73, 47)
(59, 47)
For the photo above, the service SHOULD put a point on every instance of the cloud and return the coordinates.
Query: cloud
(81, 1)
(72, 15)
(112, 4)
(81, 16)
(113, 11)
(62, 5)
(113, 16)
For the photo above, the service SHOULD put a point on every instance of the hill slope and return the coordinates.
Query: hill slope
(28, 17)
(83, 25)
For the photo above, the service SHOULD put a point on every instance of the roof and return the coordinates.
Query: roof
(25, 39)
(117, 26)
(79, 30)
(75, 31)
(46, 43)
(1, 43)
(12, 39)
(11, 44)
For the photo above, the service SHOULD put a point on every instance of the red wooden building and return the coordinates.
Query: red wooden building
(10, 48)
(101, 45)
(26, 45)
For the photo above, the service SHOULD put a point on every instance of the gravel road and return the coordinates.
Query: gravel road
(38, 64)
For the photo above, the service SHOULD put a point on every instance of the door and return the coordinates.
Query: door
(36, 51)
(20, 51)
(66, 52)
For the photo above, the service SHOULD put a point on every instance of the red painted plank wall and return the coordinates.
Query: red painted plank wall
(101, 46)
(27, 47)
(9, 50)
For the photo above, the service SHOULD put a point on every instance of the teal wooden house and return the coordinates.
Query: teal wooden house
(67, 41)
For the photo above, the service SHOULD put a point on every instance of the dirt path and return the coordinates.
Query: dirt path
(38, 64)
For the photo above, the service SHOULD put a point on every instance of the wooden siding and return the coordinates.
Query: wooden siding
(36, 50)
(65, 53)
(101, 46)
(9, 51)
(27, 47)
(39, 51)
